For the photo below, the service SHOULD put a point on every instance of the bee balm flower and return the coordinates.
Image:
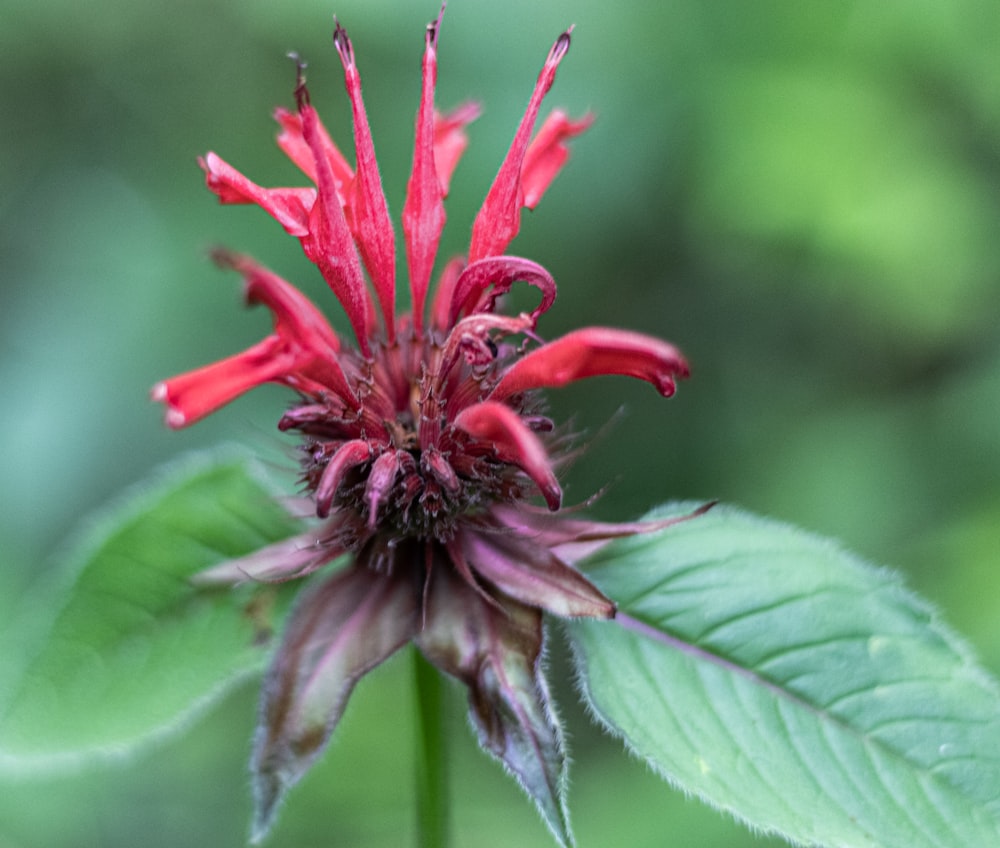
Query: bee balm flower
(423, 441)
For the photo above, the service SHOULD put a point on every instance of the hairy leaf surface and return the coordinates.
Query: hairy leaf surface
(782, 679)
(121, 646)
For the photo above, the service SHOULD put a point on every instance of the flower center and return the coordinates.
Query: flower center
(398, 467)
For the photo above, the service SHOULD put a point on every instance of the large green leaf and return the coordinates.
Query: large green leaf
(122, 646)
(781, 679)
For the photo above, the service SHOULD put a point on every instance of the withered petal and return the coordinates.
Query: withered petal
(341, 629)
(497, 654)
(534, 575)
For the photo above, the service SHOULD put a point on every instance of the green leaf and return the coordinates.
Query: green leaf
(124, 647)
(785, 681)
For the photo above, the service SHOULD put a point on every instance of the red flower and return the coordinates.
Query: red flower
(422, 445)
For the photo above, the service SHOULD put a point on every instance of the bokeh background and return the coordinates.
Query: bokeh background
(804, 196)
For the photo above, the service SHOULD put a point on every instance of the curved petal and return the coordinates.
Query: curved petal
(547, 154)
(191, 396)
(498, 424)
(340, 630)
(451, 139)
(349, 455)
(292, 141)
(288, 206)
(499, 273)
(591, 352)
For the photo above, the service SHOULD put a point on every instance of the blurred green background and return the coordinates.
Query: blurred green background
(805, 197)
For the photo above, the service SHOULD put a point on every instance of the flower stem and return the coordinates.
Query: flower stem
(431, 771)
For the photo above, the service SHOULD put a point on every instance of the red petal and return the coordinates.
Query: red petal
(591, 352)
(500, 273)
(329, 243)
(294, 314)
(293, 142)
(450, 140)
(423, 211)
(500, 217)
(547, 154)
(191, 396)
(369, 215)
(288, 206)
(514, 442)
(349, 455)
(441, 308)
(300, 324)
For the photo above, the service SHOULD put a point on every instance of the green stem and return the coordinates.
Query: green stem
(431, 772)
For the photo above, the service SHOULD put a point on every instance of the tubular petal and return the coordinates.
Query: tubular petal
(423, 211)
(500, 273)
(293, 143)
(591, 352)
(499, 219)
(349, 455)
(450, 140)
(547, 154)
(380, 479)
(329, 243)
(288, 206)
(191, 396)
(368, 214)
(514, 442)
(294, 315)
(441, 307)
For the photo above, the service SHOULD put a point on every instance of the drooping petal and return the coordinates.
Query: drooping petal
(496, 653)
(349, 455)
(499, 425)
(591, 352)
(341, 629)
(423, 211)
(471, 336)
(499, 219)
(288, 206)
(451, 139)
(547, 154)
(293, 143)
(191, 396)
(368, 213)
(498, 274)
(384, 471)
(329, 243)
(534, 575)
(295, 317)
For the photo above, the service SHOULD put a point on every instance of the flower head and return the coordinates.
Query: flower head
(424, 440)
